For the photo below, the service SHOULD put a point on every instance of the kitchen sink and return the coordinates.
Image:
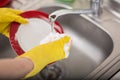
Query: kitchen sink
(91, 45)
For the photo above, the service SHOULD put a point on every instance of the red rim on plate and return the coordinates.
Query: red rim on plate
(4, 2)
(29, 14)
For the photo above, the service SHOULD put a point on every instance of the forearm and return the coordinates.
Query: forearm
(15, 68)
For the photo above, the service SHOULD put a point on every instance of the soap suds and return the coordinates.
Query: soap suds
(56, 36)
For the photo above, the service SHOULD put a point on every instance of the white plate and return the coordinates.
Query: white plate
(24, 37)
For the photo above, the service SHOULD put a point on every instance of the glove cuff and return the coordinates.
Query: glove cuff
(38, 62)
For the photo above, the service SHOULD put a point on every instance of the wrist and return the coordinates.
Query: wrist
(26, 64)
(38, 61)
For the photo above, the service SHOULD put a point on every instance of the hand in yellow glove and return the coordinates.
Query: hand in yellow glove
(45, 54)
(8, 15)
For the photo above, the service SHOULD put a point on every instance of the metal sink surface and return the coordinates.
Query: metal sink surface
(91, 45)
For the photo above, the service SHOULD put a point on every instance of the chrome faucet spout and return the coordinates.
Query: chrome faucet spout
(94, 10)
(61, 12)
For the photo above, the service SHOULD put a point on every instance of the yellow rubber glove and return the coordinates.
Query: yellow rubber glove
(45, 54)
(8, 15)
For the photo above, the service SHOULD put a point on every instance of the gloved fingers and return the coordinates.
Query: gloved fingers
(13, 17)
(13, 11)
(60, 39)
(20, 19)
(64, 40)
(9, 15)
(65, 44)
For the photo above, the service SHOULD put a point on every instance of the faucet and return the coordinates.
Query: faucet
(94, 10)
(96, 7)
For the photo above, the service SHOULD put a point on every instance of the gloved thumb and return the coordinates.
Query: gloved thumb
(64, 40)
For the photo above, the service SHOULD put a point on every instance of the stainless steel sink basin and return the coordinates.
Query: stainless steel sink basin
(91, 45)
(6, 50)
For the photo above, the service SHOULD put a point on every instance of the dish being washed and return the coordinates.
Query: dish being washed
(24, 37)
